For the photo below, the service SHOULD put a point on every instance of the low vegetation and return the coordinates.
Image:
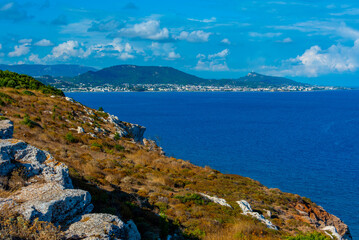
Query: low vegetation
(21, 81)
(161, 194)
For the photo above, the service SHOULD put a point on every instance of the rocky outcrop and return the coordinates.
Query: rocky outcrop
(217, 200)
(247, 210)
(321, 219)
(102, 226)
(51, 202)
(48, 194)
(6, 129)
(124, 129)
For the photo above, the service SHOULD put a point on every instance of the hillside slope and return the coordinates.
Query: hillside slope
(253, 79)
(129, 176)
(132, 74)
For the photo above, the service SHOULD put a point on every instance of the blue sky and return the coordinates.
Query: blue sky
(310, 41)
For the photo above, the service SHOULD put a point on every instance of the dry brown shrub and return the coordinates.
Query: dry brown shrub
(14, 226)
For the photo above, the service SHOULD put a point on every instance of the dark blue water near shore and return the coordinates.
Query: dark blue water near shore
(303, 142)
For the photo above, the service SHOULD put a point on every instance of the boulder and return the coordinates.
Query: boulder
(6, 129)
(217, 200)
(80, 130)
(15, 153)
(102, 226)
(51, 202)
(247, 210)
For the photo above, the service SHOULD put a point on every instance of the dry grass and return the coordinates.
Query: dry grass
(133, 180)
(14, 226)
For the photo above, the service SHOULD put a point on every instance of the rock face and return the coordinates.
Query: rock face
(124, 129)
(247, 210)
(51, 202)
(49, 195)
(321, 219)
(102, 226)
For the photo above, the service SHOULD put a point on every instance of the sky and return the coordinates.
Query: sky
(310, 41)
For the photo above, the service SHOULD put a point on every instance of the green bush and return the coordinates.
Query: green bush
(26, 92)
(117, 136)
(70, 138)
(191, 197)
(5, 99)
(310, 236)
(28, 122)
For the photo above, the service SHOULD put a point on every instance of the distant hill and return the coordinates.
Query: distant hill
(64, 76)
(253, 79)
(132, 74)
(35, 70)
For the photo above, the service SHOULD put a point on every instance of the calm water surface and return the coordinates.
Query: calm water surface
(302, 142)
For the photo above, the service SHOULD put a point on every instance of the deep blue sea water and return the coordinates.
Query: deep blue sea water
(300, 142)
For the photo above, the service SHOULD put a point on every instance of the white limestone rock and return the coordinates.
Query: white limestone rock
(247, 210)
(51, 202)
(6, 129)
(69, 99)
(15, 153)
(331, 231)
(102, 226)
(80, 130)
(217, 200)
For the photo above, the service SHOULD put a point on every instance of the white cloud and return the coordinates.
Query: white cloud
(67, 50)
(20, 50)
(147, 30)
(35, 58)
(116, 48)
(44, 43)
(315, 61)
(25, 40)
(264, 35)
(213, 62)
(7, 6)
(226, 41)
(286, 40)
(195, 36)
(323, 28)
(210, 20)
(173, 55)
(222, 54)
(164, 50)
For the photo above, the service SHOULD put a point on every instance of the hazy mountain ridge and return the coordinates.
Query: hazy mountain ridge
(72, 75)
(36, 70)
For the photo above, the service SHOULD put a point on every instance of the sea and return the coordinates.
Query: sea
(300, 142)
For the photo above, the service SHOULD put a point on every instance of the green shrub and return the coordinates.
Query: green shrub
(117, 136)
(191, 197)
(119, 148)
(28, 122)
(70, 138)
(5, 99)
(310, 236)
(26, 92)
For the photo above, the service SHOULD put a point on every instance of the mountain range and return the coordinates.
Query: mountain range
(73, 75)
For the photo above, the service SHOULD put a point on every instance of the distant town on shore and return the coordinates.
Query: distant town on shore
(129, 78)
